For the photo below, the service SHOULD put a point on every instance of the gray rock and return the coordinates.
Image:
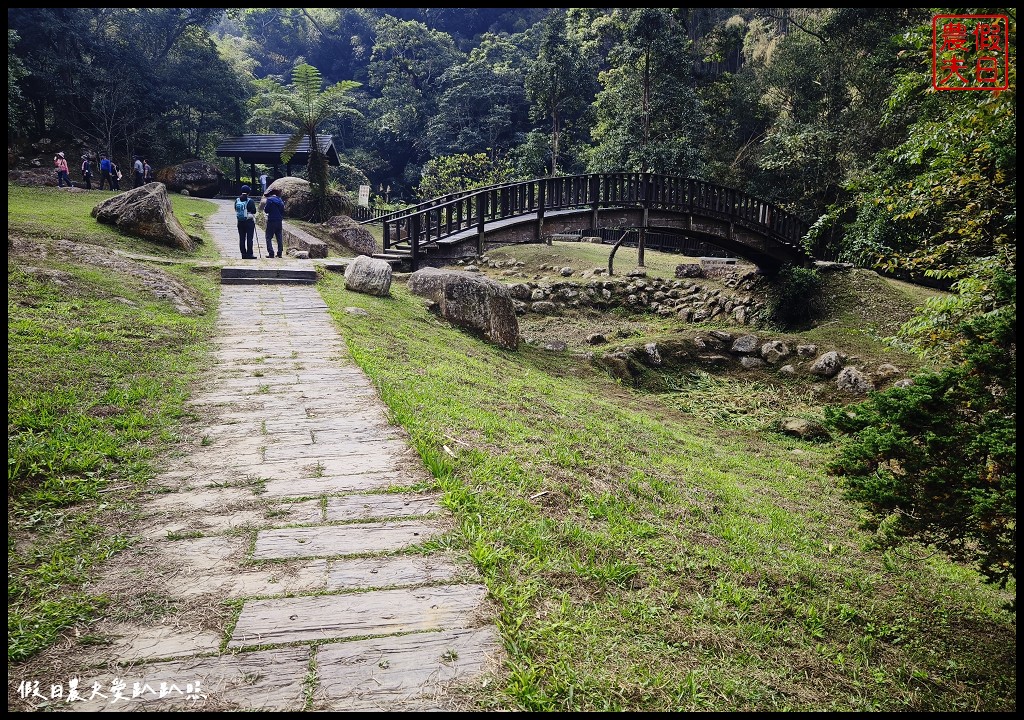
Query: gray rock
(689, 270)
(146, 212)
(474, 302)
(653, 355)
(852, 380)
(745, 344)
(774, 350)
(520, 291)
(346, 231)
(827, 365)
(803, 428)
(368, 275)
(300, 202)
(886, 371)
(193, 177)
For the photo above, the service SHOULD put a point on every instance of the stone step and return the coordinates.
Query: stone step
(266, 281)
(244, 271)
(254, 275)
(397, 261)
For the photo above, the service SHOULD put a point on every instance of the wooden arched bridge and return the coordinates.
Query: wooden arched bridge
(467, 224)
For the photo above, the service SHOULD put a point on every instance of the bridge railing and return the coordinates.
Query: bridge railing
(433, 220)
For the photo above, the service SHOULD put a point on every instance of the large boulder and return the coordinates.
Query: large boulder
(297, 196)
(474, 302)
(197, 178)
(852, 380)
(299, 201)
(368, 275)
(146, 212)
(351, 234)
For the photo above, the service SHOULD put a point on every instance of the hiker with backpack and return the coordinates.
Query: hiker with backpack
(87, 172)
(105, 179)
(115, 177)
(62, 170)
(273, 206)
(245, 213)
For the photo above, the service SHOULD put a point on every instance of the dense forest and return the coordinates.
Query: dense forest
(831, 113)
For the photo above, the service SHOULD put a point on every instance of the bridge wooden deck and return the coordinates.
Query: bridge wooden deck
(467, 224)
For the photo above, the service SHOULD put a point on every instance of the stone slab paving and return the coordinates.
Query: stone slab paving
(382, 572)
(334, 485)
(383, 612)
(328, 540)
(404, 673)
(288, 524)
(368, 507)
(266, 680)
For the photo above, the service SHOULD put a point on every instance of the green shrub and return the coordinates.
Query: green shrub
(795, 297)
(937, 461)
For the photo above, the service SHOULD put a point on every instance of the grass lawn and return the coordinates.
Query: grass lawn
(670, 550)
(101, 353)
(650, 548)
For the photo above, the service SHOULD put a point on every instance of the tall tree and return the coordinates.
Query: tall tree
(112, 76)
(648, 116)
(15, 71)
(482, 107)
(405, 69)
(936, 462)
(303, 107)
(559, 82)
(456, 173)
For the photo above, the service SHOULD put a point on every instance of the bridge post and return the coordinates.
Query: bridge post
(539, 230)
(481, 211)
(387, 235)
(595, 188)
(414, 235)
(645, 204)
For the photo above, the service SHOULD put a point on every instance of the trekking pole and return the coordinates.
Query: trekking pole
(256, 238)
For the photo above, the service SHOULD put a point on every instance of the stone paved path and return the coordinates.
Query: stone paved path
(297, 505)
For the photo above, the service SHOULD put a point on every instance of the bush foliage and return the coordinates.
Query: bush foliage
(936, 460)
(795, 297)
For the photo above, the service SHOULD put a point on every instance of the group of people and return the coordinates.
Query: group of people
(245, 206)
(245, 212)
(142, 173)
(110, 174)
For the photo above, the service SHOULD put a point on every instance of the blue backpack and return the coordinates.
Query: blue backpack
(242, 209)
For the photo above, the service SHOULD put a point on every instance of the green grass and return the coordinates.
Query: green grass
(52, 213)
(648, 550)
(99, 369)
(667, 551)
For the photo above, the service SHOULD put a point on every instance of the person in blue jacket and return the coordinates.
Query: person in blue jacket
(273, 206)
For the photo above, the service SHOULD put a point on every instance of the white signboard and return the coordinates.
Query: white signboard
(364, 195)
